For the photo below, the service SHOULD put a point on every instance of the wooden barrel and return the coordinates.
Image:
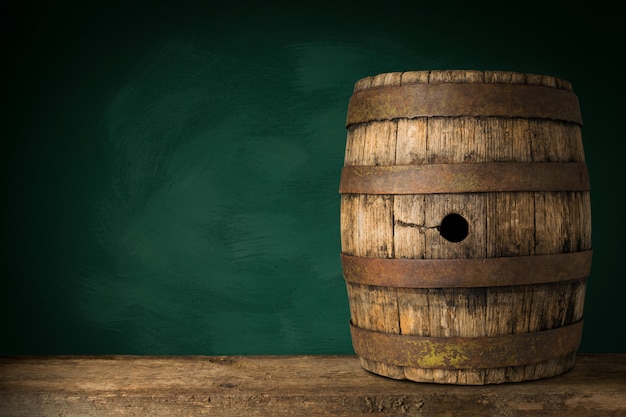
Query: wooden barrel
(465, 225)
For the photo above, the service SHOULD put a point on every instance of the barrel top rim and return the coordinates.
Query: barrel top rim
(410, 77)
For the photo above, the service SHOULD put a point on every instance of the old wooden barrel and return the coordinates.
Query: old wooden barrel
(465, 225)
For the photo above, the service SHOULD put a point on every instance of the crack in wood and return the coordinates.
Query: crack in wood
(420, 227)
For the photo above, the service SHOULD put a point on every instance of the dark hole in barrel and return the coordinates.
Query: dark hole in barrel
(454, 227)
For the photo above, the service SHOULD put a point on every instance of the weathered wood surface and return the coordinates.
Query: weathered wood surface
(287, 386)
(501, 224)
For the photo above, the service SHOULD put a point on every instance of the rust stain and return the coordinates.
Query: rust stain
(466, 352)
(452, 100)
(467, 273)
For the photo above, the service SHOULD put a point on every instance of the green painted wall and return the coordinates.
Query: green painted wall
(170, 170)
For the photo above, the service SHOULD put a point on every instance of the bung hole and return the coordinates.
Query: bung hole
(454, 228)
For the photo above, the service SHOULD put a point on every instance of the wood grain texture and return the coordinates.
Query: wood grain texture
(501, 224)
(275, 386)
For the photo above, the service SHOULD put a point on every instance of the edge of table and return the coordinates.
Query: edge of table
(310, 385)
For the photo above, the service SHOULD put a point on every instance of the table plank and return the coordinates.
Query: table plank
(286, 386)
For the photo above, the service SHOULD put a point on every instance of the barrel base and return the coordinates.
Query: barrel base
(520, 373)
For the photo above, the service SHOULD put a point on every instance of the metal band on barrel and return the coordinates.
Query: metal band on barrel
(467, 273)
(454, 100)
(466, 352)
(464, 178)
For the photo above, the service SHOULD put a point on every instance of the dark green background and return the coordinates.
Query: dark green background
(170, 170)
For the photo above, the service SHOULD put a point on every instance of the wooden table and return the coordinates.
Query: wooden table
(64, 386)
